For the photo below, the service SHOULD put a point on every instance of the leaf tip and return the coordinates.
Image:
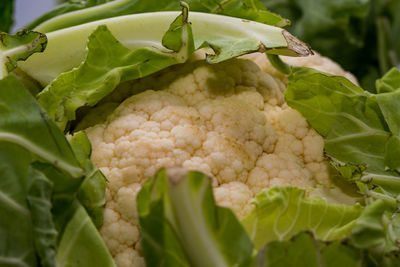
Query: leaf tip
(297, 46)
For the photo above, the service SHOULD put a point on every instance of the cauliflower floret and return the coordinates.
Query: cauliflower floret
(228, 120)
(236, 195)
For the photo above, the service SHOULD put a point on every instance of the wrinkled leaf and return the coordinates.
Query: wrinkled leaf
(107, 64)
(18, 47)
(281, 212)
(368, 231)
(361, 133)
(356, 127)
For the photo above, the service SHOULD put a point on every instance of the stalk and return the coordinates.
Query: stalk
(191, 226)
(278, 64)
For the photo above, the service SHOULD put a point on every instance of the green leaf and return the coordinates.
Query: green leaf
(341, 254)
(64, 192)
(389, 105)
(98, 75)
(42, 220)
(6, 15)
(299, 251)
(392, 160)
(18, 47)
(81, 243)
(245, 9)
(174, 39)
(181, 225)
(17, 237)
(369, 231)
(39, 199)
(281, 212)
(389, 82)
(92, 192)
(361, 132)
(229, 37)
(302, 250)
(23, 122)
(347, 116)
(356, 28)
(377, 231)
(92, 195)
(107, 64)
(66, 7)
(356, 124)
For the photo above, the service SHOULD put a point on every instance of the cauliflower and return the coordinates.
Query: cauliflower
(228, 120)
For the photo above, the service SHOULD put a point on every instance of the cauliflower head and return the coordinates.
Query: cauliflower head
(228, 120)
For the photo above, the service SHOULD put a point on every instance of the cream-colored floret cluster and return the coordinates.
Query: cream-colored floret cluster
(227, 120)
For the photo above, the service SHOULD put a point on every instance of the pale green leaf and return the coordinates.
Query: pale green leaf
(81, 243)
(281, 212)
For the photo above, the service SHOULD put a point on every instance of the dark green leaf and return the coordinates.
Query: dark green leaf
(64, 193)
(23, 122)
(302, 250)
(92, 195)
(42, 222)
(6, 15)
(39, 200)
(299, 251)
(17, 237)
(93, 189)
